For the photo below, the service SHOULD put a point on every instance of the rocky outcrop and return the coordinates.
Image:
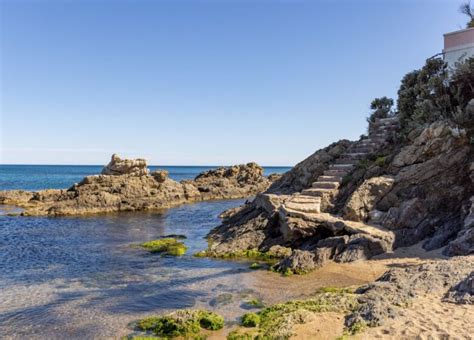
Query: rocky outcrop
(389, 194)
(463, 292)
(119, 166)
(384, 299)
(365, 197)
(132, 188)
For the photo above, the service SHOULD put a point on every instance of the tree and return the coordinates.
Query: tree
(466, 9)
(381, 108)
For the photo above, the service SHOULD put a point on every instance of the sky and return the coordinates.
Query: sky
(202, 82)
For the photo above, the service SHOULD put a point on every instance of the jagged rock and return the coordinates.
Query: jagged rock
(328, 248)
(298, 262)
(269, 202)
(364, 199)
(128, 187)
(463, 244)
(408, 215)
(463, 292)
(419, 196)
(231, 182)
(361, 247)
(437, 138)
(159, 175)
(382, 299)
(132, 167)
(279, 251)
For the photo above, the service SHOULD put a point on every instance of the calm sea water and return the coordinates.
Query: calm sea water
(37, 177)
(82, 278)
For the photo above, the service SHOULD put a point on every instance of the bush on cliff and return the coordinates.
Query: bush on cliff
(381, 107)
(434, 92)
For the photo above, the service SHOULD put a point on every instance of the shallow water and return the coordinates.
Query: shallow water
(81, 278)
(52, 267)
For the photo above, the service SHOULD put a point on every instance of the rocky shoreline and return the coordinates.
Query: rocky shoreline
(334, 208)
(128, 185)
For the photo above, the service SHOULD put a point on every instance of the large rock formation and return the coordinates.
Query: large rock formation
(352, 201)
(127, 185)
(132, 167)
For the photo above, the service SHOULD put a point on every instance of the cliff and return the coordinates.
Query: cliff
(353, 201)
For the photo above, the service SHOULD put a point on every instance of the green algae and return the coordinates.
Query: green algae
(211, 321)
(255, 265)
(250, 319)
(238, 334)
(166, 245)
(255, 303)
(252, 254)
(277, 320)
(182, 323)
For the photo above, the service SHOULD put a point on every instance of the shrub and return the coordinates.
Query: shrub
(381, 107)
(250, 320)
(434, 93)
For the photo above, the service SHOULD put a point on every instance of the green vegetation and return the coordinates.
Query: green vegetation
(335, 290)
(434, 92)
(381, 107)
(466, 9)
(381, 160)
(346, 179)
(253, 254)
(211, 321)
(167, 245)
(183, 323)
(255, 265)
(255, 303)
(238, 334)
(277, 320)
(356, 327)
(250, 320)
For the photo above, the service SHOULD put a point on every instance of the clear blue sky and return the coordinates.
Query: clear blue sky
(202, 82)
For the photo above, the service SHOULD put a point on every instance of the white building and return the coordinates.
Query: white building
(458, 46)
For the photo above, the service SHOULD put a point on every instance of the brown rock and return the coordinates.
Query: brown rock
(365, 198)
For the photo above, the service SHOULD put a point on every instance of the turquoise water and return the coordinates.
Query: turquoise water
(38, 177)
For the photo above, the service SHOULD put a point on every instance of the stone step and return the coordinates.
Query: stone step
(298, 198)
(325, 185)
(330, 178)
(341, 166)
(335, 172)
(387, 120)
(354, 155)
(318, 192)
(303, 203)
(387, 127)
(362, 149)
(345, 161)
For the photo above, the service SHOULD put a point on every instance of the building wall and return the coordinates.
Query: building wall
(458, 46)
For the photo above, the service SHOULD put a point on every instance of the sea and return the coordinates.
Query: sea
(38, 177)
(85, 277)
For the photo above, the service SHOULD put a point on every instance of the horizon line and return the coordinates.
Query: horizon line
(148, 165)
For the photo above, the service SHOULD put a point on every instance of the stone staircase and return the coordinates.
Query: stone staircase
(318, 198)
